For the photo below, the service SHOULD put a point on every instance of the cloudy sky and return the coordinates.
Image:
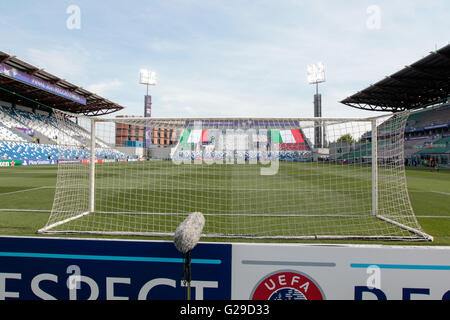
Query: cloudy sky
(224, 57)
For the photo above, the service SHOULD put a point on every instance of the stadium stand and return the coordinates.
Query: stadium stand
(199, 144)
(423, 88)
(29, 130)
(40, 125)
(427, 136)
(7, 135)
(17, 123)
(10, 150)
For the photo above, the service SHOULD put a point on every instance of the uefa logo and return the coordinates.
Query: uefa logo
(287, 285)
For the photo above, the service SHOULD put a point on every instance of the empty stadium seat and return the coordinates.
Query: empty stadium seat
(72, 138)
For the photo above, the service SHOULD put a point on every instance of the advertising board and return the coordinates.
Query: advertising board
(300, 272)
(79, 269)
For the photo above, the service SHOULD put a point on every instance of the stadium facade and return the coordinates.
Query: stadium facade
(30, 98)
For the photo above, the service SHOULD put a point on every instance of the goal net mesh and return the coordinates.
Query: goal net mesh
(251, 178)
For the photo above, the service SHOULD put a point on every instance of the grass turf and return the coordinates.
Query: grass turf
(32, 188)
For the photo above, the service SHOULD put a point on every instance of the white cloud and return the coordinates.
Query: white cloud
(163, 45)
(105, 87)
(211, 99)
(228, 58)
(66, 62)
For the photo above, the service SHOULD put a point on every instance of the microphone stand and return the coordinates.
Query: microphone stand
(187, 273)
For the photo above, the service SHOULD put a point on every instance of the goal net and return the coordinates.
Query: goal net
(308, 178)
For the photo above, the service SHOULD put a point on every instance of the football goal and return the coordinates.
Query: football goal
(300, 178)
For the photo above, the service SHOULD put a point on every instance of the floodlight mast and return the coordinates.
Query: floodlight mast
(147, 78)
(316, 75)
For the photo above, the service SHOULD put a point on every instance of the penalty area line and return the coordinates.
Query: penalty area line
(26, 190)
(433, 217)
(430, 191)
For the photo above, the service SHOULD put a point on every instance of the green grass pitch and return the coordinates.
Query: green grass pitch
(26, 197)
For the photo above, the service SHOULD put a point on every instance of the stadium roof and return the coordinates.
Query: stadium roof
(28, 85)
(422, 83)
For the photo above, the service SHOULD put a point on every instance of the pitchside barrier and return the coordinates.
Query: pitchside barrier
(81, 269)
(250, 177)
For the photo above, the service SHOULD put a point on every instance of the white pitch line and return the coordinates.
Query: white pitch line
(437, 217)
(26, 190)
(428, 191)
(441, 192)
(24, 210)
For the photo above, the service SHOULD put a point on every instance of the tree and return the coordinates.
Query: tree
(346, 138)
(366, 137)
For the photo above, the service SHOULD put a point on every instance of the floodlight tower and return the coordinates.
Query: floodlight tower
(316, 75)
(147, 78)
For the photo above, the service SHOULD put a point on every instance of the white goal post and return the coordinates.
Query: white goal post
(250, 177)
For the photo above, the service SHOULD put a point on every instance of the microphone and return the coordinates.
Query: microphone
(185, 239)
(189, 232)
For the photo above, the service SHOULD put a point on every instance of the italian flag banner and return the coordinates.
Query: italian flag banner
(194, 136)
(286, 136)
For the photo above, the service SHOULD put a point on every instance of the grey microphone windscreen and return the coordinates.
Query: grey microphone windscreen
(189, 232)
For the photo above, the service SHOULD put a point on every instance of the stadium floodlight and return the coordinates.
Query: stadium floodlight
(147, 77)
(316, 73)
